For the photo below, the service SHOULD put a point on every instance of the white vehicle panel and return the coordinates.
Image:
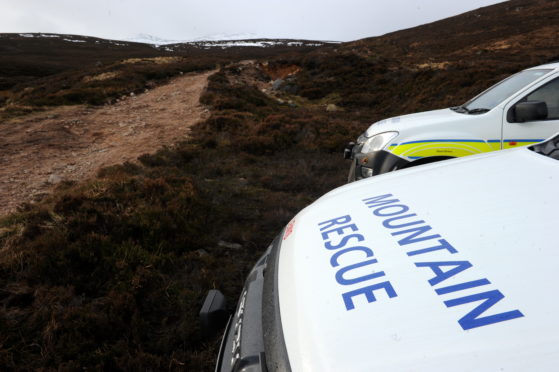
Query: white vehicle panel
(501, 223)
(444, 130)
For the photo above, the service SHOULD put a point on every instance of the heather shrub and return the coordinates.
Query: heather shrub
(110, 274)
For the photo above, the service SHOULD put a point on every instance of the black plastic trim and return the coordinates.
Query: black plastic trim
(242, 348)
(379, 161)
(274, 343)
(222, 344)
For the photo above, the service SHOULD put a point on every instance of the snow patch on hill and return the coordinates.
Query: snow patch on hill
(157, 41)
(224, 41)
(221, 41)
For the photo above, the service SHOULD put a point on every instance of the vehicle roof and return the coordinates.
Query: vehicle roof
(552, 65)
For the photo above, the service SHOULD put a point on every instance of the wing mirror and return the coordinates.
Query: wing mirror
(213, 314)
(530, 111)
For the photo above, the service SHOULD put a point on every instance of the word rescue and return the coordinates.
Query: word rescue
(419, 240)
(341, 236)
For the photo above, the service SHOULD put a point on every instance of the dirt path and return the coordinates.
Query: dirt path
(71, 143)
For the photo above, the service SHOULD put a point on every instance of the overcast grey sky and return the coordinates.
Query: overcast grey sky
(341, 20)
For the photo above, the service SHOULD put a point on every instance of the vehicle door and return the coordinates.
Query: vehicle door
(532, 117)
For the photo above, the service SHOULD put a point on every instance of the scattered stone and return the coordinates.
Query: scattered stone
(290, 88)
(229, 245)
(332, 108)
(132, 94)
(276, 85)
(54, 179)
(202, 252)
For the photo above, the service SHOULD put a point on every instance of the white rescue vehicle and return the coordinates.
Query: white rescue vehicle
(454, 269)
(520, 110)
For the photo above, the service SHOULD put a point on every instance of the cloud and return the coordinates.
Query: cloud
(188, 19)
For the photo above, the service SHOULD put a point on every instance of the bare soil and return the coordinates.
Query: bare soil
(71, 143)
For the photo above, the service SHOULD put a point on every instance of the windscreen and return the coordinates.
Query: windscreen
(504, 89)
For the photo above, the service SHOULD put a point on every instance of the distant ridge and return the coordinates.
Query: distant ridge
(25, 57)
(222, 41)
(155, 40)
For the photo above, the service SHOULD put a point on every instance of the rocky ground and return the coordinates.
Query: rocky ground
(71, 143)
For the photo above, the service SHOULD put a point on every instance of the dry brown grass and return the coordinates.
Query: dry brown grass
(434, 65)
(101, 77)
(154, 60)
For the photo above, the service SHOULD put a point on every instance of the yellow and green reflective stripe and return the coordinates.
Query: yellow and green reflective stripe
(446, 147)
(494, 144)
(452, 147)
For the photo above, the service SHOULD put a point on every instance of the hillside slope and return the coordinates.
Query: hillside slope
(109, 274)
(517, 31)
(436, 65)
(26, 58)
(71, 143)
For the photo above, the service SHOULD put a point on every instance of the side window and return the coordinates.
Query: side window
(549, 94)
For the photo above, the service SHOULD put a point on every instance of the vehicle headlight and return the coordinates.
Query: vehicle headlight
(378, 142)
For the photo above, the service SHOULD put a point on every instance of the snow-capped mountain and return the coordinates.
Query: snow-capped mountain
(151, 39)
(223, 37)
(215, 41)
(223, 41)
(157, 41)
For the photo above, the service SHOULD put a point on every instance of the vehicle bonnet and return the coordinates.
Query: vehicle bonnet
(449, 266)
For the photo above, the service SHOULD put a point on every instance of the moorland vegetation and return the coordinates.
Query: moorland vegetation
(110, 273)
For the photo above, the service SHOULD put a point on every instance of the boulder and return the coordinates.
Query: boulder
(276, 85)
(54, 179)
